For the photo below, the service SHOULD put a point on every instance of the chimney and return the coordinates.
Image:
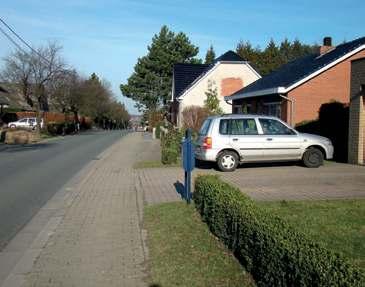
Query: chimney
(327, 45)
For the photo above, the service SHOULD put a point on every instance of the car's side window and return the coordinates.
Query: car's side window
(274, 127)
(243, 127)
(23, 120)
(224, 127)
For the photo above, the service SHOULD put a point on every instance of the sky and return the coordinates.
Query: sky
(107, 37)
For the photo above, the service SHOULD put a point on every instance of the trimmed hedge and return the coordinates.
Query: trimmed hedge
(271, 250)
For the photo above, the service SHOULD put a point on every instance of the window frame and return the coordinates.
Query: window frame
(229, 127)
(293, 132)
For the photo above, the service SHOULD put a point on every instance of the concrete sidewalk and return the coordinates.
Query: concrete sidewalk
(94, 235)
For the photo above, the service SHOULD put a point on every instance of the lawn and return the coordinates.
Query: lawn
(183, 252)
(338, 224)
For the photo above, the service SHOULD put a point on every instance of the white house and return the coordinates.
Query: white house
(228, 74)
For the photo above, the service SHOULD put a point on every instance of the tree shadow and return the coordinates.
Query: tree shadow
(24, 147)
(333, 123)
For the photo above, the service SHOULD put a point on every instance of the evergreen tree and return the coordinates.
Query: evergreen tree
(247, 52)
(271, 58)
(151, 82)
(210, 56)
(285, 51)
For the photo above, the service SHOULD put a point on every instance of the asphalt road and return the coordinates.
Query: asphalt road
(31, 175)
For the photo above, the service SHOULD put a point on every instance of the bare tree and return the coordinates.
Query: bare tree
(34, 72)
(18, 70)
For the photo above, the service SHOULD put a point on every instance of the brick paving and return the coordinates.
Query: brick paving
(269, 183)
(100, 241)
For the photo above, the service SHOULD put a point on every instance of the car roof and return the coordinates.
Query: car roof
(241, 116)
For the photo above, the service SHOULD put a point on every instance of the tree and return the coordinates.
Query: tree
(151, 82)
(212, 102)
(210, 56)
(271, 58)
(247, 52)
(66, 93)
(34, 72)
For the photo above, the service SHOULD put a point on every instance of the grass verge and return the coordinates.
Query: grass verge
(183, 252)
(338, 224)
(153, 164)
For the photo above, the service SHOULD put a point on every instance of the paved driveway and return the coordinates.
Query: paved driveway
(293, 182)
(266, 182)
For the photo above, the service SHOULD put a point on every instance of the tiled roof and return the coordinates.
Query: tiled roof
(301, 68)
(229, 56)
(186, 74)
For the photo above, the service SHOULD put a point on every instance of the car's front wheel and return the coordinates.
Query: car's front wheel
(227, 161)
(313, 157)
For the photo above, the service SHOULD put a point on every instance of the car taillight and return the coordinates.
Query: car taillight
(207, 143)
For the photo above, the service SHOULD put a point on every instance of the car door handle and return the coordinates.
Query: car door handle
(235, 140)
(269, 139)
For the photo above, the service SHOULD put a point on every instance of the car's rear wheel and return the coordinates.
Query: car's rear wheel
(227, 161)
(313, 158)
(12, 126)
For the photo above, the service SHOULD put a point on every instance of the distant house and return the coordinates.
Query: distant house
(297, 90)
(228, 74)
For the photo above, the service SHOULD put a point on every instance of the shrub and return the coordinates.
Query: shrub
(158, 130)
(193, 117)
(171, 146)
(271, 250)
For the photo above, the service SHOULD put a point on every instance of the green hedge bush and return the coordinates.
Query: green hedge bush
(171, 146)
(275, 253)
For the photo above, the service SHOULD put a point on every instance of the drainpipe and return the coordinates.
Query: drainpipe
(292, 107)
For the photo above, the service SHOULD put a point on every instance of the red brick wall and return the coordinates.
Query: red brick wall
(230, 86)
(333, 84)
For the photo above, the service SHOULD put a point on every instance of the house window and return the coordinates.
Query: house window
(247, 109)
(272, 109)
(237, 109)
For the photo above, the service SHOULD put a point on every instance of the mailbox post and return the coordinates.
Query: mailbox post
(188, 163)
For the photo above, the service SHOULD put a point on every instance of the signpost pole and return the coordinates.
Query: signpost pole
(188, 163)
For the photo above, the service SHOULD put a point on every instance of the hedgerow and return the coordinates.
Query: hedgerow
(275, 253)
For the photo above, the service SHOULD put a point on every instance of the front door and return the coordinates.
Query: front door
(281, 142)
(244, 137)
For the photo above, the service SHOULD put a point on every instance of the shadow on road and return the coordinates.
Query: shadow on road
(24, 147)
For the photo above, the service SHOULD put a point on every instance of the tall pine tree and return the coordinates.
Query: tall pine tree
(151, 82)
(210, 55)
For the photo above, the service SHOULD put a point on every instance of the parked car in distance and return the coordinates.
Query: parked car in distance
(25, 123)
(233, 139)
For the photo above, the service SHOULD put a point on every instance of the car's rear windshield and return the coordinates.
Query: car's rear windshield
(205, 127)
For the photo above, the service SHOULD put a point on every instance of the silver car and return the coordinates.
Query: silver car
(25, 123)
(233, 139)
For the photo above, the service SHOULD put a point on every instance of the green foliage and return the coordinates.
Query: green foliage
(183, 252)
(171, 146)
(151, 82)
(158, 130)
(211, 103)
(271, 250)
(273, 56)
(210, 55)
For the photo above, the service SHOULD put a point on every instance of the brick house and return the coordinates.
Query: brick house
(297, 90)
(356, 145)
(228, 74)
